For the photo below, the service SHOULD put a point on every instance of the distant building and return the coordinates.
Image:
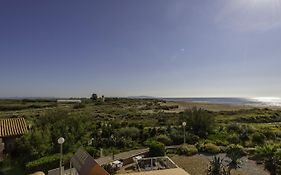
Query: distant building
(10, 129)
(69, 101)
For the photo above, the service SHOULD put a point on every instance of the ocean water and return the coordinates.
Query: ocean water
(260, 101)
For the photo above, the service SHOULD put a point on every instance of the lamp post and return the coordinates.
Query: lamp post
(183, 125)
(90, 142)
(61, 141)
(114, 140)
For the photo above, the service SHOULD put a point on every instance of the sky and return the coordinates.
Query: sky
(162, 48)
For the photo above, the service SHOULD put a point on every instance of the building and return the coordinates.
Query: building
(69, 101)
(10, 129)
(84, 164)
(173, 171)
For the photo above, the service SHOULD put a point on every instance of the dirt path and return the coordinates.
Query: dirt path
(198, 165)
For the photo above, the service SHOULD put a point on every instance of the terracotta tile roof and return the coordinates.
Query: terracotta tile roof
(12, 127)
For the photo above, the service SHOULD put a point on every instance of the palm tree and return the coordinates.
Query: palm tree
(216, 167)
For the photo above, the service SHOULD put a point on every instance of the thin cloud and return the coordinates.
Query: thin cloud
(177, 54)
(250, 15)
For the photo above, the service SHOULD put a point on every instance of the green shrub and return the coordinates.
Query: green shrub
(233, 139)
(233, 127)
(164, 139)
(191, 138)
(267, 154)
(235, 152)
(92, 151)
(78, 105)
(211, 148)
(155, 148)
(258, 138)
(187, 150)
(46, 163)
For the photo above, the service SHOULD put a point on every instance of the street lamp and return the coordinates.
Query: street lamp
(90, 142)
(114, 140)
(183, 125)
(61, 141)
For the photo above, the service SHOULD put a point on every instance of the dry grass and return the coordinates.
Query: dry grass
(198, 165)
(211, 107)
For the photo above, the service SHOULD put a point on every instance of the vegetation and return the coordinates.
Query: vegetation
(120, 124)
(216, 167)
(187, 150)
(199, 121)
(211, 148)
(235, 152)
(271, 157)
(156, 149)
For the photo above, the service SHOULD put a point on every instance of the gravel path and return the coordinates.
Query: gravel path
(198, 165)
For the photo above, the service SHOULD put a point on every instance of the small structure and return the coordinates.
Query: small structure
(68, 101)
(10, 129)
(154, 166)
(102, 98)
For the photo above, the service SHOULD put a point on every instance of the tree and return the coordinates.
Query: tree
(199, 121)
(94, 97)
(216, 167)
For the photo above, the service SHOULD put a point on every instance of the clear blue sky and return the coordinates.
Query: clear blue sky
(168, 48)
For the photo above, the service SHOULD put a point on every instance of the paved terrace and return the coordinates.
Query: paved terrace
(173, 171)
(121, 156)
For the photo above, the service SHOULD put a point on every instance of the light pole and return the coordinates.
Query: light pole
(90, 142)
(114, 140)
(61, 141)
(183, 125)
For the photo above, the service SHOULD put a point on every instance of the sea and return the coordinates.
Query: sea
(259, 101)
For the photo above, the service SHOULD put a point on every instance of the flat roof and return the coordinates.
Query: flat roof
(173, 171)
(121, 156)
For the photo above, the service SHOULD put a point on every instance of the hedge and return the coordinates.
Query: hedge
(46, 163)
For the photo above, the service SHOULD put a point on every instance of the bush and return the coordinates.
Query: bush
(92, 151)
(78, 105)
(233, 139)
(267, 154)
(233, 127)
(187, 150)
(258, 138)
(211, 148)
(129, 132)
(46, 163)
(155, 148)
(164, 139)
(191, 138)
